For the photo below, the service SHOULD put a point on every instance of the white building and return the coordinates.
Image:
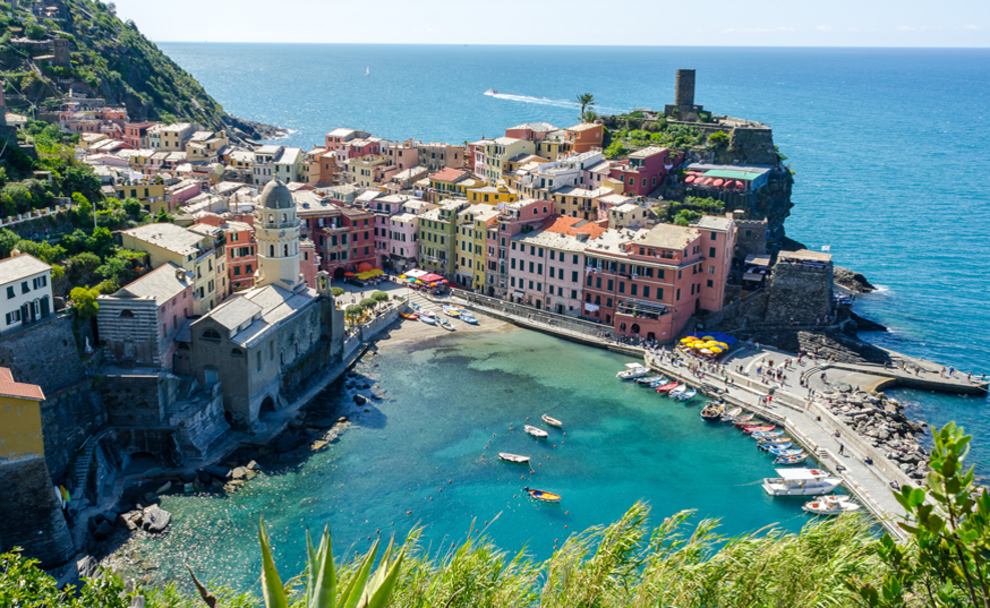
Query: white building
(25, 291)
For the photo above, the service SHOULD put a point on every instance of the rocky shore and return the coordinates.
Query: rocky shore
(249, 131)
(882, 422)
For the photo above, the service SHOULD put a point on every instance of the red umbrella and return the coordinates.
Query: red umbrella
(739, 184)
(364, 267)
(349, 274)
(689, 179)
(717, 183)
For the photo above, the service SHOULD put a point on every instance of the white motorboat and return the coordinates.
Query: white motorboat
(687, 395)
(800, 482)
(552, 421)
(732, 414)
(535, 432)
(830, 505)
(516, 458)
(632, 371)
(649, 379)
(675, 393)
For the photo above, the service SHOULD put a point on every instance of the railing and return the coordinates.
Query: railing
(536, 316)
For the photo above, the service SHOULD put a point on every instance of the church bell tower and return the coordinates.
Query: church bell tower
(277, 234)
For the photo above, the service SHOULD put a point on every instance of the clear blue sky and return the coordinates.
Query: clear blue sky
(948, 23)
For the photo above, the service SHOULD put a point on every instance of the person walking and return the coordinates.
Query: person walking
(841, 449)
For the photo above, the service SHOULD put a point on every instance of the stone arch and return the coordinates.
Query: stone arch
(338, 274)
(210, 334)
(268, 405)
(236, 352)
(635, 328)
(271, 218)
(271, 251)
(127, 314)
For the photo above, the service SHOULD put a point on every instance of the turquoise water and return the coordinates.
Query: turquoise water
(429, 448)
(889, 147)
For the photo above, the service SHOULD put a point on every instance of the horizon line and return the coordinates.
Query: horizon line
(495, 44)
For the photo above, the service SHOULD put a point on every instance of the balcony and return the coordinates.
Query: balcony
(642, 310)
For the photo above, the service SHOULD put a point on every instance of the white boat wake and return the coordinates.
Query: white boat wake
(543, 101)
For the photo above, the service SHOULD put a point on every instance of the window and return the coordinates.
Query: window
(646, 292)
(10, 291)
(622, 287)
(711, 283)
(512, 281)
(711, 269)
(574, 276)
(25, 288)
(575, 261)
(513, 264)
(236, 352)
(531, 267)
(530, 284)
(539, 269)
(608, 303)
(610, 285)
(247, 269)
(552, 254)
(598, 282)
(211, 335)
(574, 294)
(632, 289)
(711, 252)
(678, 295)
(259, 360)
(127, 314)
(237, 271)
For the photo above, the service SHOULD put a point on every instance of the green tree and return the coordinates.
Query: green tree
(43, 250)
(337, 291)
(84, 302)
(133, 207)
(379, 296)
(34, 31)
(367, 303)
(8, 240)
(353, 311)
(719, 139)
(684, 217)
(163, 217)
(947, 559)
(80, 180)
(113, 269)
(615, 150)
(586, 101)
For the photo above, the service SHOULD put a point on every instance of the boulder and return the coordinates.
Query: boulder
(360, 399)
(155, 519)
(126, 522)
(239, 473)
(252, 466)
(187, 476)
(204, 478)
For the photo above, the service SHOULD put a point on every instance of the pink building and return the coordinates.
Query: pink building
(515, 217)
(531, 131)
(339, 137)
(645, 170)
(384, 207)
(718, 237)
(181, 192)
(402, 155)
(309, 262)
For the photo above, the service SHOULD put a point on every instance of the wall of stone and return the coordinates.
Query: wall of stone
(30, 515)
(133, 400)
(68, 418)
(751, 238)
(44, 354)
(799, 295)
(201, 422)
(129, 330)
(742, 312)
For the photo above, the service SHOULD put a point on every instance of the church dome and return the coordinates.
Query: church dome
(276, 196)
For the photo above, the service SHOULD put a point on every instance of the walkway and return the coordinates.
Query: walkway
(870, 484)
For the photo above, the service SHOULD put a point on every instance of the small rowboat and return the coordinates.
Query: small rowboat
(791, 459)
(468, 318)
(541, 495)
(766, 447)
(782, 451)
(830, 505)
(687, 395)
(516, 458)
(712, 411)
(678, 391)
(444, 323)
(535, 432)
(451, 311)
(766, 434)
(742, 420)
(649, 379)
(732, 414)
(552, 421)
(666, 388)
(772, 440)
(754, 429)
(428, 319)
(409, 315)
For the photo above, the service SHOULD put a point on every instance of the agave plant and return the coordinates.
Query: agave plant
(363, 590)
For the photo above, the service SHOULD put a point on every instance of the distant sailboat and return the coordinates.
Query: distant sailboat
(367, 71)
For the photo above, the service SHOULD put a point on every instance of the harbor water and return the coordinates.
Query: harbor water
(426, 454)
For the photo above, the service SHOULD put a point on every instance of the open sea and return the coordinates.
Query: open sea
(890, 152)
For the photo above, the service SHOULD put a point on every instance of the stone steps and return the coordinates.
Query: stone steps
(81, 474)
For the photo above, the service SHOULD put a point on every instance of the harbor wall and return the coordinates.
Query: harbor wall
(30, 515)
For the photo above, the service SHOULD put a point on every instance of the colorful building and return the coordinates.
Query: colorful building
(25, 291)
(585, 137)
(437, 237)
(645, 170)
(473, 223)
(513, 218)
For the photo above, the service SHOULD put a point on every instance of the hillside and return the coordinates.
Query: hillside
(107, 58)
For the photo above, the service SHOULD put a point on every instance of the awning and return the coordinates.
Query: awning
(590, 307)
(430, 278)
(416, 273)
(517, 294)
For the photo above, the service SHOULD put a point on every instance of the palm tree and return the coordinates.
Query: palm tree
(585, 100)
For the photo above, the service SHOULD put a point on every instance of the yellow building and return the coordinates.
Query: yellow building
(553, 148)
(20, 418)
(438, 235)
(498, 153)
(492, 195)
(367, 170)
(204, 146)
(200, 254)
(151, 196)
(471, 240)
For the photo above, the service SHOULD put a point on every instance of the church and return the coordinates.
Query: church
(263, 343)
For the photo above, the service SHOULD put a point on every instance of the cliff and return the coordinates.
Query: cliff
(104, 57)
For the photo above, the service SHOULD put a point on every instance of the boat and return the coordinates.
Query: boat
(800, 482)
(367, 71)
(516, 458)
(782, 451)
(469, 320)
(772, 440)
(491, 92)
(409, 315)
(535, 432)
(754, 429)
(542, 495)
(552, 421)
(687, 395)
(732, 414)
(712, 411)
(444, 323)
(766, 434)
(666, 388)
(414, 306)
(632, 371)
(428, 319)
(834, 504)
(741, 420)
(766, 447)
(649, 379)
(798, 459)
(677, 391)
(451, 311)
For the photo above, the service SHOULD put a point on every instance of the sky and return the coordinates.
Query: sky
(885, 23)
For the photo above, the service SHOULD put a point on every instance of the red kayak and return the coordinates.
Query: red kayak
(759, 429)
(666, 388)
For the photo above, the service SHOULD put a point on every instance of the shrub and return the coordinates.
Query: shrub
(367, 303)
(84, 302)
(353, 311)
(719, 139)
(379, 296)
(337, 291)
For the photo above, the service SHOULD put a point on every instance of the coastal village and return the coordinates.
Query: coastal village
(245, 261)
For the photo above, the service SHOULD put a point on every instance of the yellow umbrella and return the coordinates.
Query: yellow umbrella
(402, 276)
(715, 349)
(686, 340)
(709, 338)
(698, 345)
(723, 345)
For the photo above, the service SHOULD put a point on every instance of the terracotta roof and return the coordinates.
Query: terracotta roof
(9, 388)
(448, 174)
(571, 226)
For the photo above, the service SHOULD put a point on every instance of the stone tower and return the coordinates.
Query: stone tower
(684, 88)
(277, 233)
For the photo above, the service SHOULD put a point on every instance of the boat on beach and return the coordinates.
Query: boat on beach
(798, 459)
(514, 458)
(834, 504)
(632, 371)
(800, 482)
(427, 318)
(666, 388)
(451, 311)
(542, 495)
(444, 323)
(552, 421)
(535, 432)
(687, 395)
(468, 318)
(712, 411)
(409, 315)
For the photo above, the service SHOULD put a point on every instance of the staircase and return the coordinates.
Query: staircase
(425, 302)
(81, 475)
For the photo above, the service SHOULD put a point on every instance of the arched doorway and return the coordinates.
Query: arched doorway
(268, 405)
(338, 274)
(635, 328)
(651, 336)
